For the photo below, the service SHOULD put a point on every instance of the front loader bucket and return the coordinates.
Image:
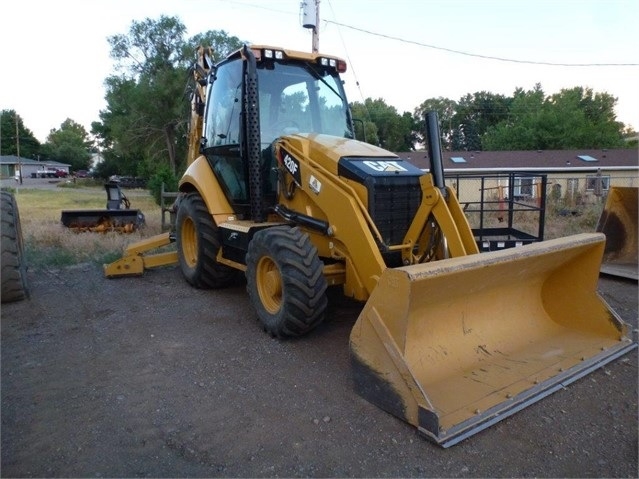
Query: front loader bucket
(124, 221)
(618, 222)
(454, 346)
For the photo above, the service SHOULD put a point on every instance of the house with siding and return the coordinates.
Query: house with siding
(9, 164)
(577, 175)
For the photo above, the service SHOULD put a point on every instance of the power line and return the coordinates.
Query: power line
(477, 55)
(444, 49)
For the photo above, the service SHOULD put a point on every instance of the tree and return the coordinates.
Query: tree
(220, 41)
(148, 92)
(393, 132)
(69, 144)
(365, 129)
(445, 109)
(573, 118)
(520, 131)
(28, 144)
(148, 103)
(475, 114)
(584, 120)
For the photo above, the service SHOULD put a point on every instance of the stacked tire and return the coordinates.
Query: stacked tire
(14, 269)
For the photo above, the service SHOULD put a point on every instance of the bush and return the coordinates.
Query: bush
(166, 176)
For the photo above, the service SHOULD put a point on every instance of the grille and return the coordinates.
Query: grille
(393, 202)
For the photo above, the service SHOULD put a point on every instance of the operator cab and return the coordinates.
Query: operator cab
(297, 93)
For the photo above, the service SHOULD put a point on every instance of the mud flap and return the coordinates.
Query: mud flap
(456, 345)
(618, 222)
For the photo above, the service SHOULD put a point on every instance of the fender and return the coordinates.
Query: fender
(199, 177)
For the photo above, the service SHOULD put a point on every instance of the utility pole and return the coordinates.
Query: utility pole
(310, 19)
(18, 148)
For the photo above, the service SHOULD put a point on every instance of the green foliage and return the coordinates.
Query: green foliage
(162, 176)
(28, 144)
(69, 144)
(146, 105)
(529, 120)
(445, 109)
(573, 118)
(383, 126)
(365, 129)
(145, 123)
(475, 114)
(38, 257)
(220, 41)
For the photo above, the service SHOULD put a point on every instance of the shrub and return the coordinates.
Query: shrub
(163, 175)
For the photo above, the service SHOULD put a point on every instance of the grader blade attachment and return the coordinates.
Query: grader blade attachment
(454, 346)
(618, 222)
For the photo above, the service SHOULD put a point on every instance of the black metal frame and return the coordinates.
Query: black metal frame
(489, 238)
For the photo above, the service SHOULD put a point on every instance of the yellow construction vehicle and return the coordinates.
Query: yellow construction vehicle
(277, 187)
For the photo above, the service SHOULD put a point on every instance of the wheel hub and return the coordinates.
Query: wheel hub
(269, 285)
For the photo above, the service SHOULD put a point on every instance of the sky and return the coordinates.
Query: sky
(54, 55)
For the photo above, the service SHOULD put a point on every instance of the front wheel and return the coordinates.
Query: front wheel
(198, 245)
(285, 281)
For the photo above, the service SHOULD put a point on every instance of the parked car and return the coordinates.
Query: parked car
(46, 173)
(82, 174)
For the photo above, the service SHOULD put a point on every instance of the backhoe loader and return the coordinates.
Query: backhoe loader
(278, 188)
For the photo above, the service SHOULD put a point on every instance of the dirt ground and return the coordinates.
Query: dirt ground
(147, 377)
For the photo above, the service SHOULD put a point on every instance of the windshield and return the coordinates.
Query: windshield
(298, 98)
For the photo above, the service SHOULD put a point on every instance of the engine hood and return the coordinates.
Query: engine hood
(328, 150)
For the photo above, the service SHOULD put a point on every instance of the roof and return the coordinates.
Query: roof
(14, 160)
(541, 160)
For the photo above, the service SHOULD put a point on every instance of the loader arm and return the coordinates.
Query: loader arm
(449, 217)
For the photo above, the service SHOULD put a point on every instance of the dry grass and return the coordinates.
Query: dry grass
(584, 219)
(48, 243)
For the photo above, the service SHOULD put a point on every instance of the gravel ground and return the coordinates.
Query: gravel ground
(147, 377)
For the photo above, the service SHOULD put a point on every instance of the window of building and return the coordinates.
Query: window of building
(591, 182)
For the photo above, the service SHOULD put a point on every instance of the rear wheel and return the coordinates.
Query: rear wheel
(198, 245)
(285, 281)
(14, 268)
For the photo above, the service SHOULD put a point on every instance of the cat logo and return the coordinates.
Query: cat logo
(385, 166)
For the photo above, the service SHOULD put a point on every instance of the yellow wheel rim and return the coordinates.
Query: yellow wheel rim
(269, 285)
(189, 242)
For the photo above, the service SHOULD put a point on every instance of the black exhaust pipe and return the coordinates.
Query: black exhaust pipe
(433, 138)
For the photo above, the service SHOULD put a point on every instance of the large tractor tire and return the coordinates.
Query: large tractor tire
(14, 268)
(285, 281)
(198, 244)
